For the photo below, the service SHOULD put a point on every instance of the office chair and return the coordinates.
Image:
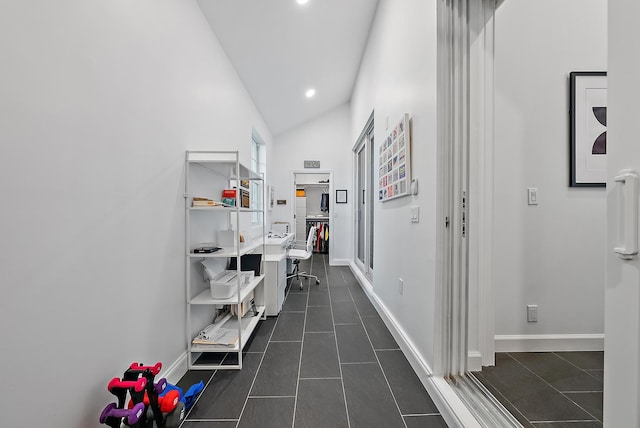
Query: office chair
(297, 254)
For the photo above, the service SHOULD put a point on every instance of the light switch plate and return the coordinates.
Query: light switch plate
(532, 195)
(415, 214)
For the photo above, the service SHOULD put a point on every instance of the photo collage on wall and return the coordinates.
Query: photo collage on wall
(394, 175)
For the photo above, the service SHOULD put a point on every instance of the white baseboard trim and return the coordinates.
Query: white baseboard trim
(175, 371)
(451, 407)
(340, 262)
(549, 342)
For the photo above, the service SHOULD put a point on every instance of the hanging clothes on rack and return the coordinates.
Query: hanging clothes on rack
(325, 240)
(322, 235)
(324, 202)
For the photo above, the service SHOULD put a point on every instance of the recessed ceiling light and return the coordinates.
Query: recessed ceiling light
(302, 1)
(310, 93)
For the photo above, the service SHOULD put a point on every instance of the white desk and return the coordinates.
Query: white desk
(277, 245)
(275, 271)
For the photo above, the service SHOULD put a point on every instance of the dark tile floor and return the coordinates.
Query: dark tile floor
(548, 389)
(326, 361)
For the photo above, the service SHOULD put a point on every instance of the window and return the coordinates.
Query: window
(257, 165)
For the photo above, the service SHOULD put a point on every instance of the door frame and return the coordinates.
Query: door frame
(465, 148)
(481, 185)
(466, 100)
(363, 140)
(292, 190)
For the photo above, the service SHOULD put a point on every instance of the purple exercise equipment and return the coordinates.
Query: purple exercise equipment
(115, 414)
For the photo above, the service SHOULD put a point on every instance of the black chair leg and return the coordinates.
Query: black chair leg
(296, 274)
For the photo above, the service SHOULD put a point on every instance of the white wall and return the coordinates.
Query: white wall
(98, 102)
(327, 139)
(549, 254)
(397, 76)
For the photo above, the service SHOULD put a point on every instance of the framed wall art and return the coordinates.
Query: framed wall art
(588, 128)
(394, 163)
(341, 196)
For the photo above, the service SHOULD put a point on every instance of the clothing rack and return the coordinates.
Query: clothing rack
(322, 234)
(324, 187)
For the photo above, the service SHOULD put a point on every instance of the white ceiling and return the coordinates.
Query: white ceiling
(280, 49)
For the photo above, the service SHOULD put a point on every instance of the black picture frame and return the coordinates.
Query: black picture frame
(588, 122)
(341, 196)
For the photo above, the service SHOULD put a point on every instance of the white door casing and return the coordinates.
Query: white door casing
(622, 292)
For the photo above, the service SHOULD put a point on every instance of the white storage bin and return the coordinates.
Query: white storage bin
(224, 284)
(222, 291)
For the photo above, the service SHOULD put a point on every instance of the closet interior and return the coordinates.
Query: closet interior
(312, 209)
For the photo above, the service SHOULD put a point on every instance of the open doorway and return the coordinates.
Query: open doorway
(313, 208)
(525, 254)
(548, 265)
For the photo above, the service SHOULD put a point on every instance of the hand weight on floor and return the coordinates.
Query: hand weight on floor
(175, 417)
(114, 413)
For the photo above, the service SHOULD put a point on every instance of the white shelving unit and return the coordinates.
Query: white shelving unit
(207, 174)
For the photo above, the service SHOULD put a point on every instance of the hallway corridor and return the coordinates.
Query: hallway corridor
(326, 361)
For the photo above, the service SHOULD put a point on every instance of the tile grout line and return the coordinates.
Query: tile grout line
(255, 376)
(335, 338)
(506, 399)
(203, 389)
(421, 414)
(193, 406)
(304, 326)
(552, 387)
(358, 363)
(319, 378)
(271, 396)
(586, 371)
(378, 361)
(563, 393)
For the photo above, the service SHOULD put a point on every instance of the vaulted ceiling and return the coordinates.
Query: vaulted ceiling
(281, 48)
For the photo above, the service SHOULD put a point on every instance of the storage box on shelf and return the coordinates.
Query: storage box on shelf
(219, 290)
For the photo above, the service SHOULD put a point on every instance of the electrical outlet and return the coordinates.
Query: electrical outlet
(401, 286)
(532, 313)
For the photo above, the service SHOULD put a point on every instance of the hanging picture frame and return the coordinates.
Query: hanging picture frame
(394, 162)
(341, 196)
(588, 128)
